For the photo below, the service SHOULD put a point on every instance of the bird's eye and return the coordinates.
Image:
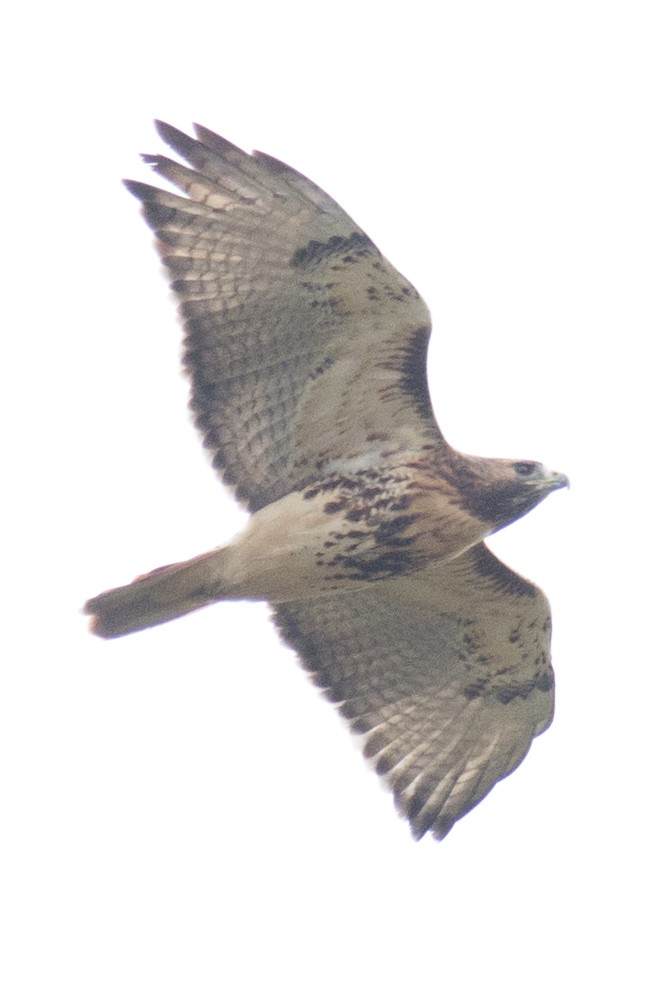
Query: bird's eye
(524, 468)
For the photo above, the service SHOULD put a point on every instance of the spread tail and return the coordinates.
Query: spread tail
(162, 595)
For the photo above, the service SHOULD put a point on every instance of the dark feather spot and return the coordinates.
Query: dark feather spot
(375, 566)
(474, 690)
(334, 507)
(321, 368)
(348, 249)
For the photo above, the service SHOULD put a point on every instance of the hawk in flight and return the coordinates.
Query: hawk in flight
(307, 356)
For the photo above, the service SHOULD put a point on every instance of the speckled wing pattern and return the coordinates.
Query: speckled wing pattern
(305, 346)
(447, 673)
(307, 353)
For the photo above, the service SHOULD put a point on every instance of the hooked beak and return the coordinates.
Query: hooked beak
(556, 480)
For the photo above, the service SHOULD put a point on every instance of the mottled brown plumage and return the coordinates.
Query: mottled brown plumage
(307, 355)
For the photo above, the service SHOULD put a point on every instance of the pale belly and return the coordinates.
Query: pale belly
(343, 538)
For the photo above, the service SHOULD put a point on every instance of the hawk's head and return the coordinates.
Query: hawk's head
(500, 490)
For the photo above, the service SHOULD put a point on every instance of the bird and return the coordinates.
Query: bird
(306, 352)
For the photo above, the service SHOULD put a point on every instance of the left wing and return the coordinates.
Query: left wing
(306, 348)
(446, 671)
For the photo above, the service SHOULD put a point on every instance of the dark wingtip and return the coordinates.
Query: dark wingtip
(219, 145)
(191, 149)
(140, 190)
(439, 827)
(171, 135)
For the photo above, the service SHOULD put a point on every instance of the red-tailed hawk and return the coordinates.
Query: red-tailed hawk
(307, 355)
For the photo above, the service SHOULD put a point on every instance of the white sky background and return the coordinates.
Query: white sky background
(181, 805)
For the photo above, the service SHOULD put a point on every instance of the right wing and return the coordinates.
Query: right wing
(446, 671)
